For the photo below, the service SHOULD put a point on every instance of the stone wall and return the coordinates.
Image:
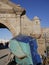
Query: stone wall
(11, 21)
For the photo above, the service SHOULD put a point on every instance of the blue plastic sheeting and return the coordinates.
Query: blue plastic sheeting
(26, 39)
(23, 38)
(33, 47)
(21, 50)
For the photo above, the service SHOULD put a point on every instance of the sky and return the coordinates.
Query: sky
(33, 8)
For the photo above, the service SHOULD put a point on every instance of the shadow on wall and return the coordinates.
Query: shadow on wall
(2, 46)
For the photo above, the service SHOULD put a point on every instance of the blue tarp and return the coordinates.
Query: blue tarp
(33, 47)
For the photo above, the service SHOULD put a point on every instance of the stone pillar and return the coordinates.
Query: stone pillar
(18, 24)
(22, 24)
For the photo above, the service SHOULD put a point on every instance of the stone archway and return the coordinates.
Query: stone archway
(9, 27)
(10, 16)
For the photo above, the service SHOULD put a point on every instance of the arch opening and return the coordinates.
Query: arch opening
(5, 36)
(5, 32)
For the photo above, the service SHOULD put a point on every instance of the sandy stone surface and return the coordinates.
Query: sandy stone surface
(4, 56)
